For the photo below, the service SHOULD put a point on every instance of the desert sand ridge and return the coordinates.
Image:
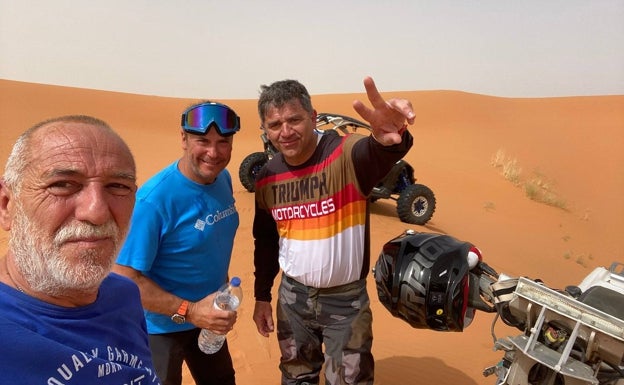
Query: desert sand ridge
(573, 146)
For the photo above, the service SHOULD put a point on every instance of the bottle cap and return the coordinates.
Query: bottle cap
(235, 281)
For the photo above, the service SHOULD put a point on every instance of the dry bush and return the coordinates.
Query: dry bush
(512, 171)
(498, 159)
(538, 188)
(509, 167)
(489, 206)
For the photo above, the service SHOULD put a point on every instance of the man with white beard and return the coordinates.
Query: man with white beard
(66, 198)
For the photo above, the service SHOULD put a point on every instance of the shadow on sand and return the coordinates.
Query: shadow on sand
(417, 371)
(387, 208)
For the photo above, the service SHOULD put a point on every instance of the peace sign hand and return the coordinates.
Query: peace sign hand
(387, 118)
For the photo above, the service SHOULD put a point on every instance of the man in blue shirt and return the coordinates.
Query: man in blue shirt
(66, 199)
(179, 247)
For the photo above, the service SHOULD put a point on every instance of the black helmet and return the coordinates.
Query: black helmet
(423, 279)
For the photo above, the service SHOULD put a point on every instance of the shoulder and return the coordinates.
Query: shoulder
(225, 176)
(119, 292)
(334, 146)
(332, 139)
(351, 139)
(160, 181)
(119, 284)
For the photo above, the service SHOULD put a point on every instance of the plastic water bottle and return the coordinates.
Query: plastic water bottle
(228, 297)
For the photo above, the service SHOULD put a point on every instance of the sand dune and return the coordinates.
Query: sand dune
(573, 146)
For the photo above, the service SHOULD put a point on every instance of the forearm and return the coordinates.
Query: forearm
(373, 160)
(153, 297)
(266, 251)
(266, 269)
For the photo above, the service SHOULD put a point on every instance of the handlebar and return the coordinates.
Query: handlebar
(340, 123)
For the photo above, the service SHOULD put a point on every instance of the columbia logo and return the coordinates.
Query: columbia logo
(199, 225)
(213, 218)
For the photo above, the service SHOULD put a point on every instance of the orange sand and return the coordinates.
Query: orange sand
(573, 144)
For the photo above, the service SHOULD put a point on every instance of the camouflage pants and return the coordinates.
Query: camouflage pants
(338, 317)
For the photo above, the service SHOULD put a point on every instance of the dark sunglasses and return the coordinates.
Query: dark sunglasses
(198, 119)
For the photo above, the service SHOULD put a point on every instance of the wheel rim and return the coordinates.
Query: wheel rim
(255, 170)
(420, 206)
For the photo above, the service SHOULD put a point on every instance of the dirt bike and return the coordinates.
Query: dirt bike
(415, 202)
(568, 337)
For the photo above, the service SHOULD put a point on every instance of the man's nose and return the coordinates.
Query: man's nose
(212, 150)
(92, 205)
(286, 129)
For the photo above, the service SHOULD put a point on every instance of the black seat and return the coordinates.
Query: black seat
(605, 300)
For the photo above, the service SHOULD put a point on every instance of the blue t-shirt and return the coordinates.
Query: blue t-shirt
(101, 343)
(181, 236)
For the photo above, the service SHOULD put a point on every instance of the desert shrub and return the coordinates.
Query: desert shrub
(538, 188)
(509, 167)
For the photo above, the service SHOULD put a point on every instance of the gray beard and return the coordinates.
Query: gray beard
(40, 261)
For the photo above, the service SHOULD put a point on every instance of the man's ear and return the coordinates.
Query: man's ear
(184, 139)
(6, 201)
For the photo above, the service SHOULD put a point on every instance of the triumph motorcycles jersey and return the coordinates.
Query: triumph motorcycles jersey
(312, 220)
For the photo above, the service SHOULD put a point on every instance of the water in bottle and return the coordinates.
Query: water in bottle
(228, 297)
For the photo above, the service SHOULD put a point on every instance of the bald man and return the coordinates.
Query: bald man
(66, 198)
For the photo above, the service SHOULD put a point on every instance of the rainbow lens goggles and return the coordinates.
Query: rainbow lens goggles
(198, 119)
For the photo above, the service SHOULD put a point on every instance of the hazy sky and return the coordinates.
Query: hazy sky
(227, 49)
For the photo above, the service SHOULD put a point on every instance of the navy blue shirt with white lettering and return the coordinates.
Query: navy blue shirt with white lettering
(101, 343)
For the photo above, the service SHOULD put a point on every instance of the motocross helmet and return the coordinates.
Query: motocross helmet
(423, 279)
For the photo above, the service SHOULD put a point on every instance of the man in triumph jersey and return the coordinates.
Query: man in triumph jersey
(312, 222)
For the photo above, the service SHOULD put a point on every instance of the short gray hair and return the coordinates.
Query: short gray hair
(280, 93)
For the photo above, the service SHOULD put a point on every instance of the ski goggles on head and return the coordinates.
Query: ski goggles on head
(198, 119)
